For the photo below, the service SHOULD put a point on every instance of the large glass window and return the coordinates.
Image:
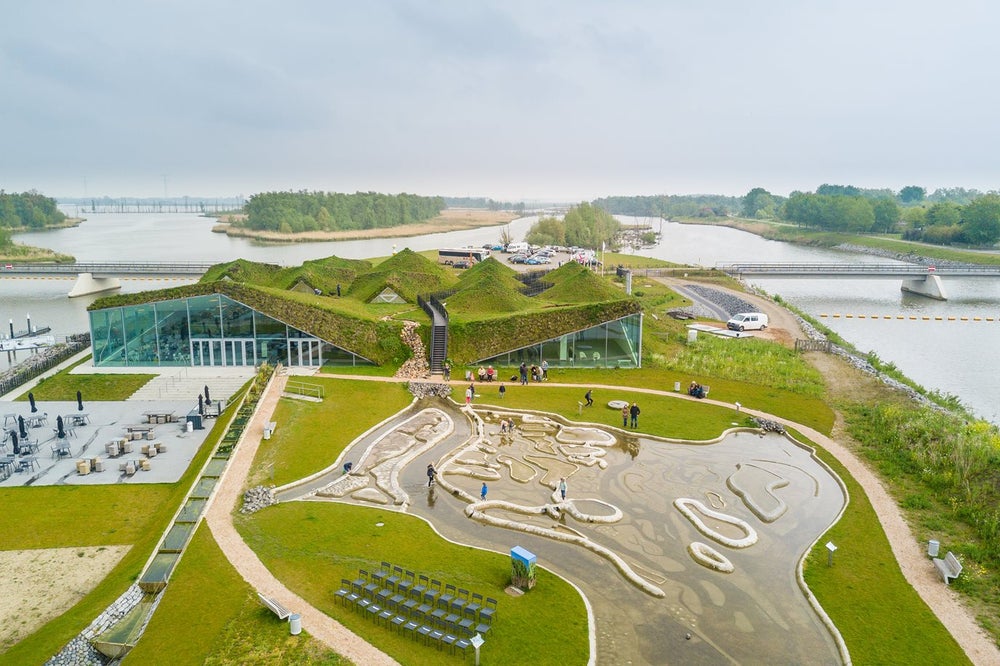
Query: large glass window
(205, 330)
(615, 344)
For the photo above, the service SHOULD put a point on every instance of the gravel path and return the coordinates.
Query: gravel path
(220, 520)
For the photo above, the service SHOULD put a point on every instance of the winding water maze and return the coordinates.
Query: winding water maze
(688, 549)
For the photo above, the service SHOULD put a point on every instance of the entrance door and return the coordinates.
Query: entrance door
(304, 352)
(206, 352)
(239, 352)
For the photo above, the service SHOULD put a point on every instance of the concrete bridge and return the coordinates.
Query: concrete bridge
(98, 276)
(916, 279)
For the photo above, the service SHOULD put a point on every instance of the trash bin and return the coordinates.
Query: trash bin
(933, 547)
(190, 426)
(677, 387)
(295, 624)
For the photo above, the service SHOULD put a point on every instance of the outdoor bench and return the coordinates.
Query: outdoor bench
(949, 567)
(275, 607)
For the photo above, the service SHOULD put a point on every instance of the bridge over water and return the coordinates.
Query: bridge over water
(917, 279)
(97, 276)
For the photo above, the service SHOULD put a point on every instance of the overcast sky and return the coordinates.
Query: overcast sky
(521, 100)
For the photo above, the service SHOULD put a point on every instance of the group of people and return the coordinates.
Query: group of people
(507, 426)
(696, 390)
(538, 373)
(630, 413)
(486, 374)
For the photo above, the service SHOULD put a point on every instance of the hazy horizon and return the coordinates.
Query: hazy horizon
(564, 101)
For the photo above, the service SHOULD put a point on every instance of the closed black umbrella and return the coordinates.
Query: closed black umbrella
(60, 431)
(201, 405)
(22, 427)
(208, 400)
(13, 440)
(79, 401)
(31, 401)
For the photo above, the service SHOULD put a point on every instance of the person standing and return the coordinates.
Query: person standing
(562, 487)
(446, 370)
(524, 373)
(588, 396)
(431, 474)
(482, 491)
(545, 370)
(503, 390)
(468, 395)
(634, 413)
(625, 415)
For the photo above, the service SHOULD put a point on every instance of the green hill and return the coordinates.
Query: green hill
(407, 273)
(574, 283)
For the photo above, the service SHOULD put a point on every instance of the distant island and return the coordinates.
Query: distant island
(324, 216)
(29, 211)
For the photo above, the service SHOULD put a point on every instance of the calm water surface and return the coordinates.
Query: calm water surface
(956, 358)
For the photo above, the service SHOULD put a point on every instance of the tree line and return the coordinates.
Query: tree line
(583, 225)
(28, 210)
(295, 212)
(484, 202)
(663, 205)
(946, 217)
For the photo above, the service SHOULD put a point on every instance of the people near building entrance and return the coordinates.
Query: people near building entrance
(481, 374)
(562, 487)
(589, 397)
(490, 373)
(625, 415)
(523, 369)
(431, 474)
(633, 413)
(483, 491)
(503, 390)
(545, 370)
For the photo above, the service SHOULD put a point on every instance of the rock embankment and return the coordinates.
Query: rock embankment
(725, 300)
(429, 389)
(415, 367)
(257, 498)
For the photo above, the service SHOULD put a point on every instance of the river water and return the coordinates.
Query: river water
(953, 357)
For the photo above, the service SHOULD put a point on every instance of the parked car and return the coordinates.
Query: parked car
(532, 261)
(747, 321)
(461, 264)
(517, 258)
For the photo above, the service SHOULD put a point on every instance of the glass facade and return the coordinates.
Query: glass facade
(205, 330)
(613, 344)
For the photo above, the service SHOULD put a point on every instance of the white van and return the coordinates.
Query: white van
(747, 321)
(518, 248)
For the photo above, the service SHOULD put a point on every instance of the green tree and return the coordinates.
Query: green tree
(547, 231)
(981, 220)
(944, 214)
(886, 215)
(912, 194)
(758, 203)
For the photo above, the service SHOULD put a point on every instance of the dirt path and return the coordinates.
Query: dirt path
(220, 520)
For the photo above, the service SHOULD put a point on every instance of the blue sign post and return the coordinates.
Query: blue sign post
(522, 568)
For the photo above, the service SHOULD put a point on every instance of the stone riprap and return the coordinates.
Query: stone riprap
(257, 498)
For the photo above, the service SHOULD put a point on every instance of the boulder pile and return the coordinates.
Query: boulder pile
(415, 367)
(429, 389)
(257, 498)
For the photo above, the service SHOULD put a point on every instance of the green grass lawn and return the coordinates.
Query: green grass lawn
(311, 435)
(63, 386)
(210, 615)
(880, 616)
(311, 546)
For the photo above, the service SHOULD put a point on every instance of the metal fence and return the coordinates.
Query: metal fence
(42, 361)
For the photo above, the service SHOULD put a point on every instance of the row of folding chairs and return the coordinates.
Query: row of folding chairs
(441, 631)
(394, 581)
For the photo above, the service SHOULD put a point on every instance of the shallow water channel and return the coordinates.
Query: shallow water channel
(666, 539)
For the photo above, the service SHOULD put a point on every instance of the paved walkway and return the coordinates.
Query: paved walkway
(220, 521)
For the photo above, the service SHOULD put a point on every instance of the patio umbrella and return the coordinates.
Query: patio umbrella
(22, 427)
(79, 401)
(31, 400)
(13, 441)
(60, 431)
(201, 405)
(208, 400)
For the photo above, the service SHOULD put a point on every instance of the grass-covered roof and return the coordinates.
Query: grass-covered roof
(323, 274)
(488, 287)
(406, 273)
(574, 283)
